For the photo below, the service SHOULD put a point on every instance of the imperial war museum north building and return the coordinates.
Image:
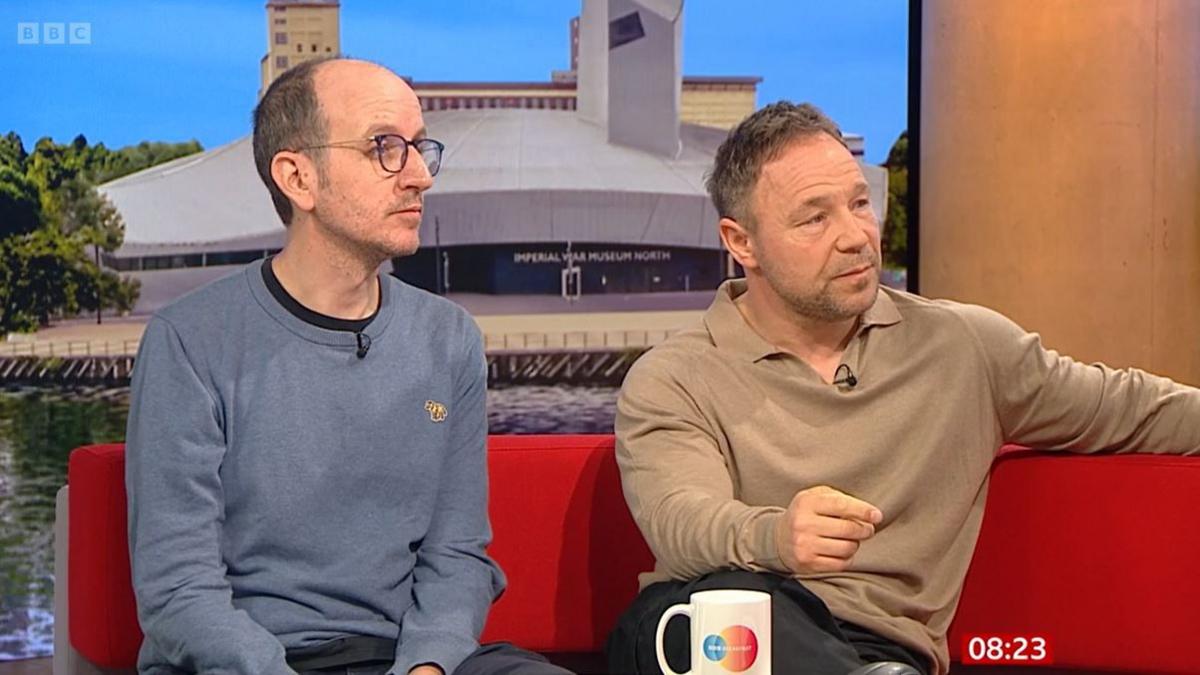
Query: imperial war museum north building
(590, 183)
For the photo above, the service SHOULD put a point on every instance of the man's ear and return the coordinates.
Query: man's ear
(296, 177)
(738, 242)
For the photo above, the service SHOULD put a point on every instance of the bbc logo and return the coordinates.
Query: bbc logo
(33, 33)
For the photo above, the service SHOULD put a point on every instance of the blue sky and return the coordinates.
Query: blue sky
(182, 69)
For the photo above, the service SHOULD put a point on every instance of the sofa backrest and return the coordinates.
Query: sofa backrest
(564, 536)
(561, 533)
(1095, 553)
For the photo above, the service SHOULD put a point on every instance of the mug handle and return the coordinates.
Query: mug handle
(674, 610)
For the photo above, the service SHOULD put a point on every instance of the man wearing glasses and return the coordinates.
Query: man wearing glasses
(306, 462)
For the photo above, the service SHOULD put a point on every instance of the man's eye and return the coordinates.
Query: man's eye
(391, 148)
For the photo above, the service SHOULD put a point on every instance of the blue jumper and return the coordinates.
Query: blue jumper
(284, 491)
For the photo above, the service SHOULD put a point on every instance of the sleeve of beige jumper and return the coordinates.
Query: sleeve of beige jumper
(676, 480)
(1049, 401)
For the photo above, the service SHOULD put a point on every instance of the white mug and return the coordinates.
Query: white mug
(730, 633)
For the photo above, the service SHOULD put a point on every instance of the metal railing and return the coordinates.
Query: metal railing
(70, 348)
(530, 341)
(613, 339)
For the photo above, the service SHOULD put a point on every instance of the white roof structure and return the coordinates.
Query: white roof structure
(508, 176)
(513, 176)
(212, 201)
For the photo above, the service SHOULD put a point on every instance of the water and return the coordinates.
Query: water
(39, 428)
(529, 409)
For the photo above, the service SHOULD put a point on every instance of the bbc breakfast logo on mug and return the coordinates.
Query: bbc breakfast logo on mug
(734, 649)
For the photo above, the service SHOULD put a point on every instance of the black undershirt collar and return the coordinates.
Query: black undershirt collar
(307, 315)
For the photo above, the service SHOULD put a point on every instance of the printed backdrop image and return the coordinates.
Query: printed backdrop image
(569, 218)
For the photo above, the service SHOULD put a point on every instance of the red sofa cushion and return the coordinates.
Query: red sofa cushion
(564, 536)
(1095, 553)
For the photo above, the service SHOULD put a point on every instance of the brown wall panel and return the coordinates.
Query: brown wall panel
(1175, 330)
(1060, 171)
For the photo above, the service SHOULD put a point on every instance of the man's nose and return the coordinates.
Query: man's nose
(415, 175)
(852, 232)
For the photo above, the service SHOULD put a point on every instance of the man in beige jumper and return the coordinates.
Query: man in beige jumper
(827, 440)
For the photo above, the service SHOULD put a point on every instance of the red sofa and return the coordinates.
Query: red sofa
(1096, 554)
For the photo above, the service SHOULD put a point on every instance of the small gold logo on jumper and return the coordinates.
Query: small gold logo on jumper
(437, 411)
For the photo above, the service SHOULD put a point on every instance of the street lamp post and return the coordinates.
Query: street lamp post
(99, 275)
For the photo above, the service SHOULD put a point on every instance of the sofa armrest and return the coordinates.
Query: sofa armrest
(66, 660)
(63, 654)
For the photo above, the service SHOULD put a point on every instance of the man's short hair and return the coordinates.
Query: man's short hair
(755, 141)
(288, 117)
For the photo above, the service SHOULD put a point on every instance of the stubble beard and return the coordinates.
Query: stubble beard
(823, 304)
(349, 231)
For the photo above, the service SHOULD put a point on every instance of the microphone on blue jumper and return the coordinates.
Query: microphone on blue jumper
(364, 344)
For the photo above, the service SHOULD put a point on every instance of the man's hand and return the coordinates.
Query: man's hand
(822, 529)
(426, 669)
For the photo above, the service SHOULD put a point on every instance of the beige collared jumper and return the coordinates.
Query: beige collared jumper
(717, 430)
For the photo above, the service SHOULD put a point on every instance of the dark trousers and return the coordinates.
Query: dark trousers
(805, 637)
(373, 656)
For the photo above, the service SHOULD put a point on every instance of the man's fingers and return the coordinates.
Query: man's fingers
(824, 563)
(841, 505)
(823, 529)
(843, 528)
(835, 548)
(825, 555)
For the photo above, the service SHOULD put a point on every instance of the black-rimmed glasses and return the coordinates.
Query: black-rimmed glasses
(392, 151)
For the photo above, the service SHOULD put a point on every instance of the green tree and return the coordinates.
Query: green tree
(43, 273)
(20, 214)
(49, 166)
(12, 151)
(106, 165)
(895, 228)
(20, 202)
(91, 219)
(89, 215)
(13, 317)
(54, 223)
(108, 289)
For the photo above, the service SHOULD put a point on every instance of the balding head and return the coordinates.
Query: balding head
(314, 102)
(357, 96)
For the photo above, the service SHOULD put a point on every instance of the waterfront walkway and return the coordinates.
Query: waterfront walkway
(509, 324)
